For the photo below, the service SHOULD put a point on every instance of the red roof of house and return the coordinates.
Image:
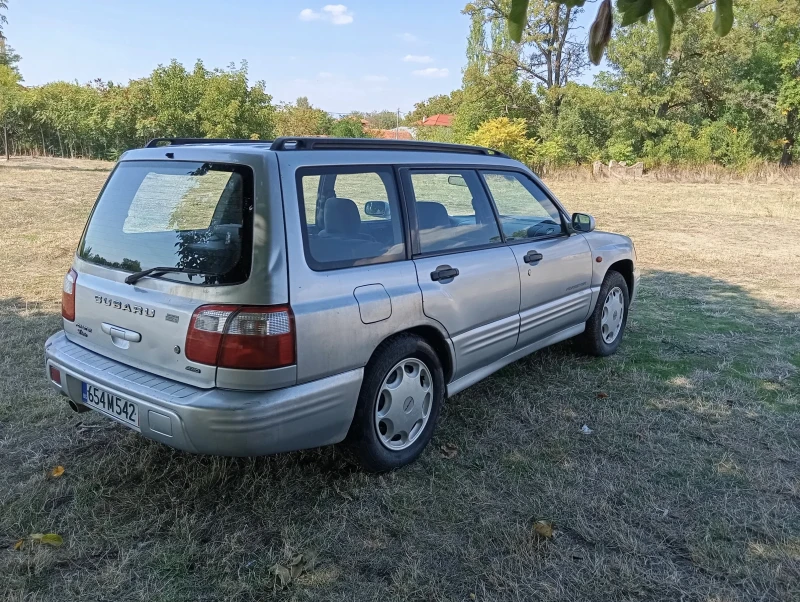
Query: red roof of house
(443, 120)
(390, 134)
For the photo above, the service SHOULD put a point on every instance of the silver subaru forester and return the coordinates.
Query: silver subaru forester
(244, 298)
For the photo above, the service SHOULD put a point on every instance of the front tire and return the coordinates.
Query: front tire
(399, 404)
(606, 325)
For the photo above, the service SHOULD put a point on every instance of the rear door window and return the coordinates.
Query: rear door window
(351, 215)
(181, 214)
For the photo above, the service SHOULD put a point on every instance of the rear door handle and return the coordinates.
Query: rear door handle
(532, 257)
(444, 272)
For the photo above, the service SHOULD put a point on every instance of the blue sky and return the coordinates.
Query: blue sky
(360, 55)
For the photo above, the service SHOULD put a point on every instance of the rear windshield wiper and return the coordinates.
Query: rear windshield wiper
(135, 277)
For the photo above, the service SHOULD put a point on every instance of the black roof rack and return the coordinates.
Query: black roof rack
(155, 142)
(304, 143)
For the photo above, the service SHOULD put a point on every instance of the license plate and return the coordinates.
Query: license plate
(108, 403)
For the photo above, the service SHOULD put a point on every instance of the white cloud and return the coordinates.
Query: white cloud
(415, 58)
(375, 78)
(325, 75)
(309, 15)
(432, 72)
(408, 37)
(338, 14)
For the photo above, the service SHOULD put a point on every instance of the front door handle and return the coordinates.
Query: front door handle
(532, 257)
(444, 272)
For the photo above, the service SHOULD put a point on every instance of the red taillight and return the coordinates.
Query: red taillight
(250, 338)
(68, 295)
(55, 375)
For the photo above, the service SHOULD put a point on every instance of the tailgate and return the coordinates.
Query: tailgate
(141, 327)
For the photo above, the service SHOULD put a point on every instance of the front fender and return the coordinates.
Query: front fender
(607, 250)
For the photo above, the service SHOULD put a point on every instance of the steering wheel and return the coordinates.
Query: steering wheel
(543, 228)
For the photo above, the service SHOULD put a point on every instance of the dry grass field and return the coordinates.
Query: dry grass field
(687, 489)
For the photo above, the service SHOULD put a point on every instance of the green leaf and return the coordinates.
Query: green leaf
(665, 21)
(600, 32)
(517, 18)
(723, 17)
(633, 10)
(573, 3)
(52, 539)
(681, 6)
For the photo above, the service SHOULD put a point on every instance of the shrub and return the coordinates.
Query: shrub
(509, 136)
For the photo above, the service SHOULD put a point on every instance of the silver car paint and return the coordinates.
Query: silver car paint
(267, 285)
(556, 290)
(215, 421)
(479, 308)
(495, 311)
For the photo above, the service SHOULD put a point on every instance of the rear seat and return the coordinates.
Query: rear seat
(342, 239)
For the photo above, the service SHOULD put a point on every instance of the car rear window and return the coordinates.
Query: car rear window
(174, 214)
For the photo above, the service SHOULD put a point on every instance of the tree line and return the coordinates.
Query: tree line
(730, 100)
(103, 119)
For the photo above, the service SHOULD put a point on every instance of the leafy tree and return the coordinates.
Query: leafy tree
(491, 84)
(9, 97)
(301, 119)
(441, 104)
(586, 122)
(102, 119)
(548, 50)
(631, 11)
(8, 57)
(435, 133)
(348, 127)
(3, 18)
(509, 136)
(380, 120)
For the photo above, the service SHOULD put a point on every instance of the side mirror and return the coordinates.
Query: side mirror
(583, 222)
(377, 209)
(456, 181)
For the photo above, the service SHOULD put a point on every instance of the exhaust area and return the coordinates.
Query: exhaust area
(78, 408)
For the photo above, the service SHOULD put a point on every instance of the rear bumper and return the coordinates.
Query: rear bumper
(214, 421)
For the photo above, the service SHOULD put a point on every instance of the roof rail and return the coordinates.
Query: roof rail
(155, 142)
(305, 143)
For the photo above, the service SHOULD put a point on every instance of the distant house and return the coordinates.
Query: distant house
(438, 120)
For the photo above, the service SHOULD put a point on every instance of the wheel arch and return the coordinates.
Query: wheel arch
(624, 267)
(436, 339)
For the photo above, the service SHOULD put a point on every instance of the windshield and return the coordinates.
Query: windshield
(190, 215)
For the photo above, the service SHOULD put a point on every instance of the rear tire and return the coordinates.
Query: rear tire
(399, 404)
(606, 325)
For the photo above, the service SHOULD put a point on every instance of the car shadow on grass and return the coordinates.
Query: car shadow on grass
(686, 487)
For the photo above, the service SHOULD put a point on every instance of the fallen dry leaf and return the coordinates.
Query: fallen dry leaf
(282, 575)
(449, 450)
(543, 528)
(57, 472)
(18, 545)
(601, 395)
(310, 560)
